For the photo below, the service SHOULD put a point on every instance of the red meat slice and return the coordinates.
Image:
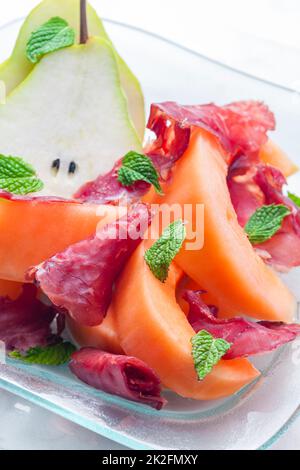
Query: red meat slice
(125, 376)
(80, 279)
(247, 338)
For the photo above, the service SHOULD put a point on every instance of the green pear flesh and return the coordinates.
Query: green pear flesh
(70, 107)
(14, 70)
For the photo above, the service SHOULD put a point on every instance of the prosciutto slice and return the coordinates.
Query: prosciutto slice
(253, 185)
(26, 322)
(241, 127)
(247, 338)
(106, 189)
(29, 197)
(125, 376)
(80, 279)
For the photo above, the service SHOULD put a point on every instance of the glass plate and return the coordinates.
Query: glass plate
(256, 416)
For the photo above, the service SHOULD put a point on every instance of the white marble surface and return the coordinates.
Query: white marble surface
(225, 31)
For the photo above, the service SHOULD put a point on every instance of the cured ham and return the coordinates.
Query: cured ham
(125, 376)
(241, 127)
(247, 338)
(252, 186)
(80, 279)
(25, 322)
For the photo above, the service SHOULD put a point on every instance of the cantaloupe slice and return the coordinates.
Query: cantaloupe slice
(152, 327)
(227, 265)
(273, 155)
(104, 336)
(187, 283)
(10, 289)
(32, 231)
(270, 153)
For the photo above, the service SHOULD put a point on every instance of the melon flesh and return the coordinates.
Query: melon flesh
(227, 265)
(103, 336)
(32, 231)
(152, 327)
(10, 289)
(273, 155)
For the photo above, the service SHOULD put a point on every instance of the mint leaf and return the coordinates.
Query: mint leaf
(164, 250)
(17, 176)
(207, 351)
(51, 36)
(21, 186)
(14, 167)
(265, 222)
(55, 355)
(294, 198)
(138, 167)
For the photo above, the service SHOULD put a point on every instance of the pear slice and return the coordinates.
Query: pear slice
(70, 113)
(14, 70)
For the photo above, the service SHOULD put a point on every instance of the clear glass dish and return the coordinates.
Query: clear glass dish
(255, 417)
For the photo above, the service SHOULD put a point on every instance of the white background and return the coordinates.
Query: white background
(223, 30)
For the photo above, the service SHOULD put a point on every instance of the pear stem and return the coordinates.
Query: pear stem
(84, 35)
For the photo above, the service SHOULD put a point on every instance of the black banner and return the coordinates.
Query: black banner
(137, 459)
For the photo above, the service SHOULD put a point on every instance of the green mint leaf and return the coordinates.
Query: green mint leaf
(294, 198)
(207, 351)
(265, 222)
(138, 167)
(17, 176)
(22, 186)
(163, 251)
(54, 355)
(15, 167)
(51, 36)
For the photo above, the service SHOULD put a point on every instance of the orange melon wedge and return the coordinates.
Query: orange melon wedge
(10, 289)
(226, 266)
(32, 231)
(152, 327)
(273, 155)
(270, 154)
(188, 284)
(103, 336)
